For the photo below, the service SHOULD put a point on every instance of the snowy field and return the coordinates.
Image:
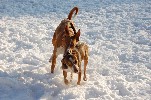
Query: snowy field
(118, 33)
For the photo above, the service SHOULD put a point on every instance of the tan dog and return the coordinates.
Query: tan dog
(71, 62)
(65, 38)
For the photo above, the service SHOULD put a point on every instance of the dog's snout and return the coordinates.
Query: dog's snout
(75, 69)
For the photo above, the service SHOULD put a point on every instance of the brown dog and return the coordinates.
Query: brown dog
(65, 38)
(72, 62)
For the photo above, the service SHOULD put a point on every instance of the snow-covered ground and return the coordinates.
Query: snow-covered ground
(118, 33)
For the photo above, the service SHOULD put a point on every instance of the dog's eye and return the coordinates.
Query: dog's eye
(75, 62)
(71, 45)
(69, 63)
(64, 36)
(62, 61)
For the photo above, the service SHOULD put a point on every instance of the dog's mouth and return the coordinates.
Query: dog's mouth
(64, 66)
(74, 68)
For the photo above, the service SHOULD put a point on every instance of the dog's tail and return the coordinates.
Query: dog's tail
(71, 13)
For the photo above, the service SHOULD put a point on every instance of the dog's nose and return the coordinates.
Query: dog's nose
(75, 70)
(69, 51)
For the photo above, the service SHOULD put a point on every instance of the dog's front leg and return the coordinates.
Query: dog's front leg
(79, 73)
(54, 56)
(85, 65)
(79, 78)
(65, 76)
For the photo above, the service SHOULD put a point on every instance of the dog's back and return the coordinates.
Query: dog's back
(81, 50)
(59, 32)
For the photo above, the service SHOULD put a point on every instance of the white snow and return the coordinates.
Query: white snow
(118, 33)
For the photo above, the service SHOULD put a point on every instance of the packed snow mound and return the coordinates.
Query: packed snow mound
(118, 33)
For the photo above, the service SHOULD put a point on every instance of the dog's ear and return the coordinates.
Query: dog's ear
(77, 35)
(62, 60)
(67, 29)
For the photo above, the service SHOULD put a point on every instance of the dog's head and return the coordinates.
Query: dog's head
(71, 37)
(70, 63)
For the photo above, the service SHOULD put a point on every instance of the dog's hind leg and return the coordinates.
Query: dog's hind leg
(85, 64)
(79, 78)
(54, 56)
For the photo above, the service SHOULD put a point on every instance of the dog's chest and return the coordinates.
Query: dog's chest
(60, 50)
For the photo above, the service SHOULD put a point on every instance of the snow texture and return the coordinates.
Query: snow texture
(118, 33)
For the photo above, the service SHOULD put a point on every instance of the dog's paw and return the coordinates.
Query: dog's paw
(52, 71)
(84, 78)
(66, 81)
(78, 83)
